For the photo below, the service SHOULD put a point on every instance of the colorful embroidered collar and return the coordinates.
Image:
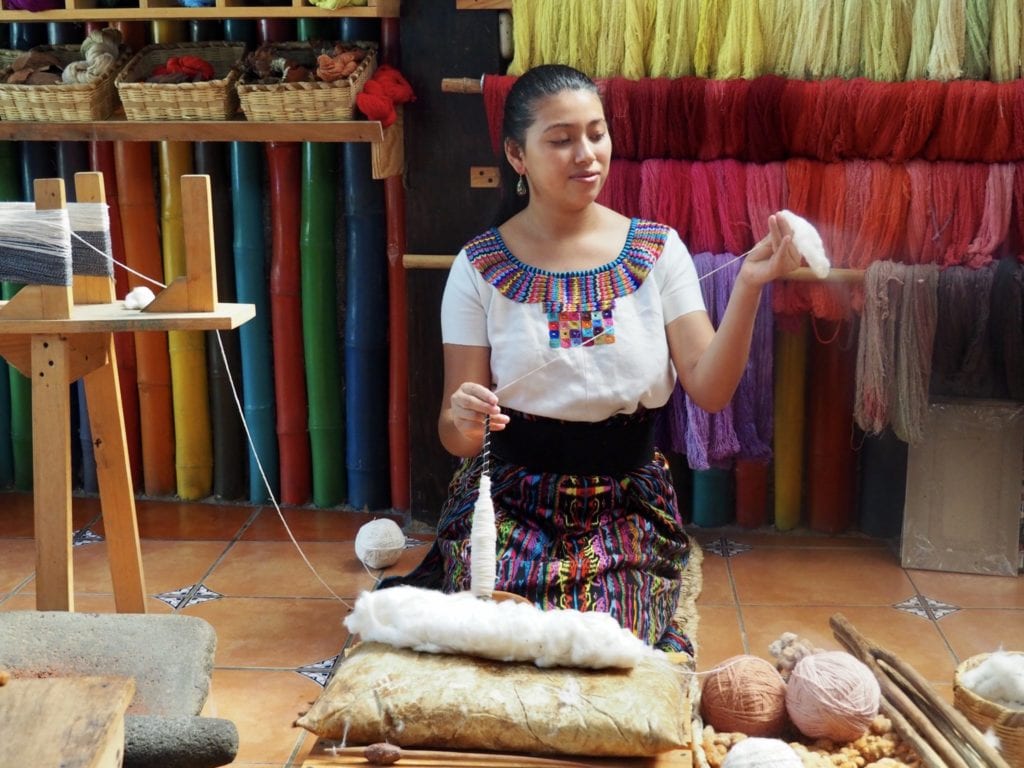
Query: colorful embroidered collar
(587, 290)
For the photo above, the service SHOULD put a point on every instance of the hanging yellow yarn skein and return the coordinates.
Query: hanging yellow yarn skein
(946, 61)
(1006, 41)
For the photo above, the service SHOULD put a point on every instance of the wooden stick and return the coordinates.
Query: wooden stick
(941, 735)
(443, 759)
(802, 274)
(462, 85)
(938, 708)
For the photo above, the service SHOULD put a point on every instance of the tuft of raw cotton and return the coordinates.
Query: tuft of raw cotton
(809, 243)
(434, 622)
(999, 679)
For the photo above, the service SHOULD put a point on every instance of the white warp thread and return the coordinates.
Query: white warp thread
(430, 621)
(808, 243)
(35, 245)
(91, 250)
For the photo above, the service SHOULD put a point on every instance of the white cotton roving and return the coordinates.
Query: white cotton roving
(809, 243)
(430, 621)
(379, 543)
(757, 752)
(138, 298)
(999, 679)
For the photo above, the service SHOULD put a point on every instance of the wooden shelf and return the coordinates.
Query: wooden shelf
(119, 129)
(84, 10)
(115, 318)
(483, 5)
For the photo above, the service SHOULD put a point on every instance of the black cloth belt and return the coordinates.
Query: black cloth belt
(614, 447)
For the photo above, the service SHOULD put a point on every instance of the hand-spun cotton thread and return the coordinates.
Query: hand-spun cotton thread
(431, 621)
(379, 543)
(833, 696)
(138, 298)
(745, 694)
(483, 536)
(808, 242)
(762, 753)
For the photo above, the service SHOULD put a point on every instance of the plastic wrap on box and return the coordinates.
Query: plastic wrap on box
(963, 492)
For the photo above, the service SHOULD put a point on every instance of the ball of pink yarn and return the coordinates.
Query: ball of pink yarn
(832, 696)
(746, 694)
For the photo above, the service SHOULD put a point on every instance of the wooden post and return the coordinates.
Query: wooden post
(197, 290)
(109, 441)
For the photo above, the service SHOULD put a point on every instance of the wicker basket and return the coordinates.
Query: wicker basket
(72, 102)
(215, 99)
(1008, 724)
(306, 100)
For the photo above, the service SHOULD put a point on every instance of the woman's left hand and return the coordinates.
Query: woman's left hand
(774, 256)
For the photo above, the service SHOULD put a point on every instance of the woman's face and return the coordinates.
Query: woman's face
(568, 150)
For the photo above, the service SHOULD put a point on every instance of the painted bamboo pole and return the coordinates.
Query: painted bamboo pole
(366, 316)
(324, 380)
(398, 333)
(137, 203)
(102, 160)
(790, 410)
(193, 441)
(229, 449)
(250, 255)
(283, 172)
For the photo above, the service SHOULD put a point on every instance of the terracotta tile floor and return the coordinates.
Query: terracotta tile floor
(279, 627)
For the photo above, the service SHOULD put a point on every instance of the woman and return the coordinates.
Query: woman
(564, 329)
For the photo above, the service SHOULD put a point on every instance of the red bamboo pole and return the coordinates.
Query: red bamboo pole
(398, 349)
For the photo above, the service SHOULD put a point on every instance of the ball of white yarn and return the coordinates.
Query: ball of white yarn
(832, 695)
(756, 752)
(138, 298)
(379, 543)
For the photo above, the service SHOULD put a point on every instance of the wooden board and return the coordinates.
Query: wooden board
(71, 722)
(114, 318)
(119, 129)
(325, 755)
(86, 10)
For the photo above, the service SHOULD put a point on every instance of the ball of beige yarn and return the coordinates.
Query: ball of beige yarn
(762, 753)
(832, 695)
(379, 543)
(745, 694)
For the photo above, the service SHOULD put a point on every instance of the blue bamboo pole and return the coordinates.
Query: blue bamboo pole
(250, 252)
(366, 353)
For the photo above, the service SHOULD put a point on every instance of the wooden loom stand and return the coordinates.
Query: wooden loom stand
(56, 335)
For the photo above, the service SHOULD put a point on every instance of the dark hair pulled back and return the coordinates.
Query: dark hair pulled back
(529, 89)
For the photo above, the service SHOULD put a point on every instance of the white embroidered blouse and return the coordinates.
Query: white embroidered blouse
(578, 346)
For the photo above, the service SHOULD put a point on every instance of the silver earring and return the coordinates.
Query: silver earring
(521, 188)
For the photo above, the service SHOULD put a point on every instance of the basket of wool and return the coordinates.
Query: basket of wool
(745, 694)
(762, 753)
(832, 695)
(989, 690)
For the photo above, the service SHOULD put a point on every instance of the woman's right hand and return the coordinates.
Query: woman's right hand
(471, 404)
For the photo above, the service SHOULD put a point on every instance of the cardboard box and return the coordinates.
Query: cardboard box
(963, 492)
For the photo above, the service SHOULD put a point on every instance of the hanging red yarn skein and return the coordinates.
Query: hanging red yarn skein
(382, 92)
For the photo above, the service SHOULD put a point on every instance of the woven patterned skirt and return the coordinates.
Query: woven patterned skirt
(593, 543)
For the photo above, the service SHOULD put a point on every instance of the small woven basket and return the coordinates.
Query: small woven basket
(1007, 723)
(306, 101)
(215, 99)
(58, 102)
